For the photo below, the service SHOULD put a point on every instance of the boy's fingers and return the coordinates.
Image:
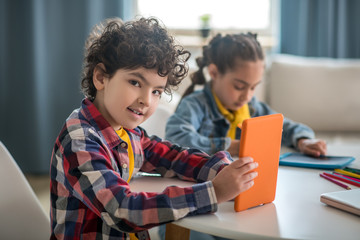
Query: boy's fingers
(253, 175)
(248, 180)
(244, 165)
(249, 176)
(247, 185)
(242, 161)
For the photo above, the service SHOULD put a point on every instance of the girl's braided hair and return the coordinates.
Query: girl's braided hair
(224, 51)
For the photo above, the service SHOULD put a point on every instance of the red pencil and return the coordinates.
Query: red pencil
(343, 179)
(334, 181)
(345, 176)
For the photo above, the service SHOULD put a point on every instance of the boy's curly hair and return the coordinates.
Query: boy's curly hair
(134, 44)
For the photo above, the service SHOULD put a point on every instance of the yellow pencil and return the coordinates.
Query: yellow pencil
(347, 173)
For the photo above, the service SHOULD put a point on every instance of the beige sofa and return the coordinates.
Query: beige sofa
(320, 92)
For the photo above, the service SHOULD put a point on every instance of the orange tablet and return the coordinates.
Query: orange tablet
(261, 140)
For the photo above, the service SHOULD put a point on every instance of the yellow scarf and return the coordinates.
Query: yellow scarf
(234, 118)
(125, 136)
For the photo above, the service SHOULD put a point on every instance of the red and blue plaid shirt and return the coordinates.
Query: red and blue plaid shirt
(90, 196)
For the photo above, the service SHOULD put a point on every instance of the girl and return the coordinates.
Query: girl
(208, 119)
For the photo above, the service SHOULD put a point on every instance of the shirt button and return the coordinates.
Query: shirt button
(124, 165)
(123, 145)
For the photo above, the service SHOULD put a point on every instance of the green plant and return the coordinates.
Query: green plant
(205, 20)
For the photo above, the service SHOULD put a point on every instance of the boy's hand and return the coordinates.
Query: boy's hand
(234, 179)
(314, 147)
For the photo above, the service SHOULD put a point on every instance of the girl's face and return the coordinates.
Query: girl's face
(129, 97)
(236, 87)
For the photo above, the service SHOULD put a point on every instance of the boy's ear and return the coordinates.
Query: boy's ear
(213, 71)
(99, 76)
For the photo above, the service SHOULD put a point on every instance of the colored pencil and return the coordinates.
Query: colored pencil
(353, 170)
(343, 179)
(336, 182)
(348, 173)
(345, 176)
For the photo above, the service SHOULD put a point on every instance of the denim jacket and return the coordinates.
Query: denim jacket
(198, 123)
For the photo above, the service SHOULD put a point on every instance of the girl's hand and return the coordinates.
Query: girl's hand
(314, 147)
(234, 147)
(234, 179)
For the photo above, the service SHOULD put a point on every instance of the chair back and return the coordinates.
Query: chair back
(21, 214)
(156, 124)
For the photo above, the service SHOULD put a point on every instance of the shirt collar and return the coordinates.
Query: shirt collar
(96, 119)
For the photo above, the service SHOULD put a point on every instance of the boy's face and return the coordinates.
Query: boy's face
(236, 87)
(129, 97)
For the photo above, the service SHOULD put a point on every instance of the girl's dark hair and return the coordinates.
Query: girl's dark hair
(224, 51)
(134, 44)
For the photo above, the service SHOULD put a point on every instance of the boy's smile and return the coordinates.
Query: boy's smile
(136, 112)
(129, 97)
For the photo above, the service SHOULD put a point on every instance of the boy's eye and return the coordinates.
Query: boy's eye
(157, 93)
(135, 83)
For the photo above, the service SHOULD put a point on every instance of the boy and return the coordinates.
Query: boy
(101, 146)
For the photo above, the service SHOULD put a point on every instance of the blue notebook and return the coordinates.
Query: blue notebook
(325, 162)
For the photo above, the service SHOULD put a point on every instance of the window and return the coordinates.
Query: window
(182, 18)
(226, 15)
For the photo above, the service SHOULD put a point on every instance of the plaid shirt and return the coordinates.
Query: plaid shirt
(90, 198)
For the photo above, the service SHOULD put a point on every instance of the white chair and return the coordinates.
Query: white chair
(155, 124)
(21, 215)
